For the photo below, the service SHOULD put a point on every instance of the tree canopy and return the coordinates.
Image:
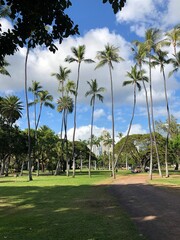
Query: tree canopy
(38, 23)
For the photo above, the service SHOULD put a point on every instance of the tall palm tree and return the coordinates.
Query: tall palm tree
(78, 57)
(69, 88)
(140, 53)
(151, 44)
(135, 77)
(94, 92)
(35, 89)
(108, 56)
(45, 99)
(62, 76)
(161, 59)
(65, 105)
(27, 112)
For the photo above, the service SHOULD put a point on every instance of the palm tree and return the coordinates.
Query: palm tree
(151, 44)
(140, 54)
(94, 92)
(65, 105)
(176, 64)
(108, 56)
(11, 110)
(45, 99)
(135, 77)
(161, 59)
(107, 141)
(78, 57)
(35, 89)
(3, 69)
(61, 77)
(173, 38)
(27, 113)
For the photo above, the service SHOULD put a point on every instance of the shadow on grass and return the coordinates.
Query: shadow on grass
(62, 212)
(154, 209)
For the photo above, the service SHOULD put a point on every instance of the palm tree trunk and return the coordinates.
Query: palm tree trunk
(74, 131)
(28, 118)
(112, 113)
(92, 118)
(150, 132)
(169, 122)
(153, 126)
(130, 125)
(40, 111)
(66, 141)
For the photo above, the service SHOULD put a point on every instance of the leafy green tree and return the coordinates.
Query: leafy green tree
(108, 56)
(11, 110)
(95, 92)
(78, 57)
(34, 17)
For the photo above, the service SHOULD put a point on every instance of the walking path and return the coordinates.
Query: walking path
(154, 209)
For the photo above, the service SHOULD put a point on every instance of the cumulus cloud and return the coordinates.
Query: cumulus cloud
(98, 113)
(150, 13)
(135, 129)
(83, 132)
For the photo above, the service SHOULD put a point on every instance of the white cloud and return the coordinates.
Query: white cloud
(135, 129)
(172, 15)
(83, 132)
(98, 113)
(150, 13)
(136, 10)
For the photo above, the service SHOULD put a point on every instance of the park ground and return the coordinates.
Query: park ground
(83, 208)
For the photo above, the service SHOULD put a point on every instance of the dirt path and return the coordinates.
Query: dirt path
(154, 209)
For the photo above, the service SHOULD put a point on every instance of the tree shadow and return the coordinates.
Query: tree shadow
(154, 209)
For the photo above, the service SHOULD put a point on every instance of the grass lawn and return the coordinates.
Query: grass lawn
(57, 207)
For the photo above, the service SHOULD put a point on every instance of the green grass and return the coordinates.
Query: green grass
(64, 208)
(173, 180)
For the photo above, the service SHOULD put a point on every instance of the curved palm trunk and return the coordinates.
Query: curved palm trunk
(112, 113)
(153, 126)
(92, 122)
(130, 125)
(74, 131)
(150, 132)
(169, 122)
(28, 119)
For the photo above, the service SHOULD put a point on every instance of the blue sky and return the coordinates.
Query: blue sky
(98, 26)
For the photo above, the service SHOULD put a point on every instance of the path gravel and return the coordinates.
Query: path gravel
(154, 209)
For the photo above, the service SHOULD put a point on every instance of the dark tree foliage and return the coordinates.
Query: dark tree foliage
(36, 23)
(117, 5)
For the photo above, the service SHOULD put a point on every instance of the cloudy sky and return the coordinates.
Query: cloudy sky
(99, 26)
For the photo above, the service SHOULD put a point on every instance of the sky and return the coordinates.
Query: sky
(98, 25)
